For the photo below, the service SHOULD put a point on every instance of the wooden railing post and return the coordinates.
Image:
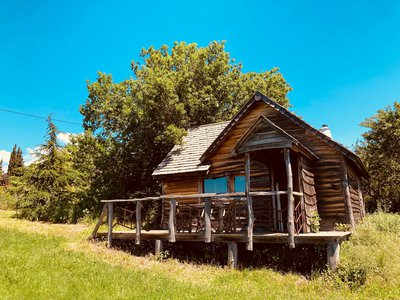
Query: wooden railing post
(290, 206)
(250, 226)
(207, 219)
(232, 255)
(96, 228)
(333, 253)
(279, 207)
(346, 192)
(110, 224)
(138, 222)
(171, 221)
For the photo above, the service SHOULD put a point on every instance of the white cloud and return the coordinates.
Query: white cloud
(64, 137)
(30, 155)
(5, 156)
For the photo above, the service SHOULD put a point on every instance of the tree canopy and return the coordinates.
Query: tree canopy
(16, 163)
(380, 151)
(137, 121)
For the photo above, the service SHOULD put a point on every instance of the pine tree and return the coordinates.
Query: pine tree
(16, 164)
(46, 191)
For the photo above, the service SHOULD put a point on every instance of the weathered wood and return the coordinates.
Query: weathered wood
(274, 212)
(232, 255)
(360, 197)
(333, 253)
(322, 237)
(300, 168)
(249, 245)
(346, 192)
(279, 208)
(158, 247)
(171, 221)
(98, 224)
(138, 221)
(110, 224)
(207, 220)
(290, 206)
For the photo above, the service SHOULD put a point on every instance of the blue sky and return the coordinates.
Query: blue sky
(341, 57)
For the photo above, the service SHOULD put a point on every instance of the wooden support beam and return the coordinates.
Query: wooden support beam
(306, 228)
(207, 220)
(290, 206)
(360, 198)
(333, 253)
(138, 222)
(279, 208)
(101, 218)
(158, 247)
(171, 221)
(110, 224)
(346, 192)
(232, 255)
(250, 226)
(274, 206)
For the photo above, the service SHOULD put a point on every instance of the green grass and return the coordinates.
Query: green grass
(44, 261)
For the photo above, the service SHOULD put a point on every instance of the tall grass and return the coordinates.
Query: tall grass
(43, 261)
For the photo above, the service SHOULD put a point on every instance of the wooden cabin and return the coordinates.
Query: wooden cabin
(265, 176)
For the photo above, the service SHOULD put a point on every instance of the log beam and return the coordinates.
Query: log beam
(138, 222)
(290, 206)
(250, 226)
(101, 218)
(232, 255)
(110, 224)
(158, 247)
(171, 221)
(207, 220)
(333, 253)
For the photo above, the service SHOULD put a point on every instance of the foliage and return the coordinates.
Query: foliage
(342, 227)
(16, 163)
(134, 123)
(47, 191)
(7, 200)
(47, 261)
(314, 222)
(380, 151)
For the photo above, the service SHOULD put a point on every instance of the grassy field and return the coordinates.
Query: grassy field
(44, 261)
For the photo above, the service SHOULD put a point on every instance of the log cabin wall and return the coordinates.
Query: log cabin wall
(308, 183)
(327, 170)
(356, 202)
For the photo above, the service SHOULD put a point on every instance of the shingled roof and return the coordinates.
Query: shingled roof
(186, 157)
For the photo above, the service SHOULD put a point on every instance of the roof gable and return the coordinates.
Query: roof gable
(295, 119)
(264, 134)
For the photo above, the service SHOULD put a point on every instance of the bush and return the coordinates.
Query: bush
(7, 201)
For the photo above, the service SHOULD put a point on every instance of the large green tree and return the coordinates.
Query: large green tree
(380, 151)
(136, 122)
(16, 163)
(47, 190)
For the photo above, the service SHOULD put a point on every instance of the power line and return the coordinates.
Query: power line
(36, 116)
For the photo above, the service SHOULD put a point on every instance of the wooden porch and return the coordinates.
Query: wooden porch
(216, 218)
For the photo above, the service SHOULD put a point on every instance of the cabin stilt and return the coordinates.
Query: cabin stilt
(110, 223)
(158, 247)
(333, 253)
(232, 255)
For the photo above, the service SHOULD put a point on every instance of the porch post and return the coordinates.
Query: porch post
(171, 221)
(138, 222)
(290, 207)
(110, 224)
(250, 226)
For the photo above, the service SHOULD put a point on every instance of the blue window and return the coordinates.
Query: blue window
(240, 184)
(216, 185)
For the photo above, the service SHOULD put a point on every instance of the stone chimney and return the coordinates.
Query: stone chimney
(325, 130)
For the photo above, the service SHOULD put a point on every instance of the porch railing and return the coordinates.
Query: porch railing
(213, 214)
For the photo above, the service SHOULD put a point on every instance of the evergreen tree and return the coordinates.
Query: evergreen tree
(47, 189)
(16, 164)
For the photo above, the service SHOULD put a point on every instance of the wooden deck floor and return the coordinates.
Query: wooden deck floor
(323, 237)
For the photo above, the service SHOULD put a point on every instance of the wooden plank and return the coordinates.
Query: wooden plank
(158, 247)
(171, 221)
(274, 211)
(110, 224)
(300, 168)
(249, 245)
(232, 255)
(98, 224)
(346, 192)
(290, 207)
(279, 208)
(138, 221)
(333, 254)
